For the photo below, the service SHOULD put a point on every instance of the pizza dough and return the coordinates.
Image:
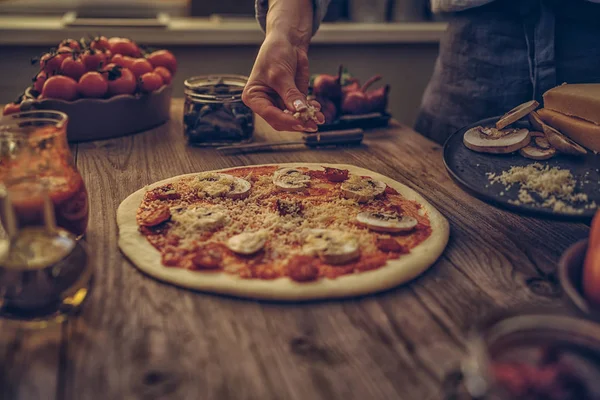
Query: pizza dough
(147, 258)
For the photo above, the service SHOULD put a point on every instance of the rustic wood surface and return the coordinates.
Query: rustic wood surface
(138, 338)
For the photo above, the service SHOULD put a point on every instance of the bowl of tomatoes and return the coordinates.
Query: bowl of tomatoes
(108, 87)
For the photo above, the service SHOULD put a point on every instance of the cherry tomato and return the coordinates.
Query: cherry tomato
(93, 60)
(51, 63)
(125, 84)
(140, 66)
(164, 74)
(70, 43)
(73, 68)
(60, 87)
(38, 82)
(150, 81)
(163, 58)
(11, 108)
(123, 61)
(124, 46)
(92, 84)
(100, 43)
(65, 50)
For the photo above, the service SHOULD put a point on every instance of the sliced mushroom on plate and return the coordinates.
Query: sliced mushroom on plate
(534, 152)
(516, 114)
(535, 121)
(542, 142)
(562, 143)
(247, 243)
(290, 179)
(386, 222)
(332, 246)
(362, 189)
(476, 140)
(535, 134)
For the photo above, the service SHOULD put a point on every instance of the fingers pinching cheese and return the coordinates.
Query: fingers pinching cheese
(331, 246)
(247, 243)
(290, 179)
(386, 222)
(362, 189)
(212, 184)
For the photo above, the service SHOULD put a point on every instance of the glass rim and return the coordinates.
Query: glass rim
(60, 121)
(191, 84)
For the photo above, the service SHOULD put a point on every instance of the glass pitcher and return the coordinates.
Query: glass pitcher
(34, 153)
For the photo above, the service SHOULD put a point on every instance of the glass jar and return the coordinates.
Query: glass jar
(214, 114)
(35, 158)
(533, 355)
(45, 272)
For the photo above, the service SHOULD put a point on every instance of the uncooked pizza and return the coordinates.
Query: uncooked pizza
(284, 232)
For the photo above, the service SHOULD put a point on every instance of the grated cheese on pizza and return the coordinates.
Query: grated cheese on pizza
(203, 218)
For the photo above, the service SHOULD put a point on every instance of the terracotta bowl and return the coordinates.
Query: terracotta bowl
(570, 270)
(96, 119)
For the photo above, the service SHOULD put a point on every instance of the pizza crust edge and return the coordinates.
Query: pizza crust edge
(147, 259)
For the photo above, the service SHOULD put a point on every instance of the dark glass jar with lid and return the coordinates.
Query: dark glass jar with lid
(214, 114)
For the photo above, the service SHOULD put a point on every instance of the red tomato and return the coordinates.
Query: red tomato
(65, 51)
(125, 84)
(164, 74)
(72, 67)
(60, 87)
(140, 66)
(38, 82)
(92, 84)
(163, 58)
(11, 108)
(123, 61)
(70, 43)
(93, 60)
(125, 47)
(150, 81)
(51, 63)
(100, 43)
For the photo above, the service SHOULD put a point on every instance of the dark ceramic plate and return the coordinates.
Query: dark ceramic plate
(364, 122)
(469, 169)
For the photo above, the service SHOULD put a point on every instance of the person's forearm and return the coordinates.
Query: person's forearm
(292, 19)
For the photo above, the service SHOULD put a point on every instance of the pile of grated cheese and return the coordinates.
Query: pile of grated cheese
(554, 186)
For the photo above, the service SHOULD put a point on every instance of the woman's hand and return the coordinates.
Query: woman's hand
(279, 78)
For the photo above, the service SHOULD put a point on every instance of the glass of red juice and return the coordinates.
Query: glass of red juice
(35, 158)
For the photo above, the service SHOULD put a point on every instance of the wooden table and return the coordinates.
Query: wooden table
(138, 338)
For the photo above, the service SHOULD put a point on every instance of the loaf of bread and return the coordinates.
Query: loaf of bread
(578, 100)
(583, 132)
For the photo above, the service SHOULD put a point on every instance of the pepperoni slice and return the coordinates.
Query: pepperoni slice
(154, 216)
(208, 257)
(303, 269)
(390, 245)
(336, 175)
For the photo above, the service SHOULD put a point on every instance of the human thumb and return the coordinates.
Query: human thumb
(292, 97)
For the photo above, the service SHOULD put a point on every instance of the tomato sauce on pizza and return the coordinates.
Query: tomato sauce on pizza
(268, 222)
